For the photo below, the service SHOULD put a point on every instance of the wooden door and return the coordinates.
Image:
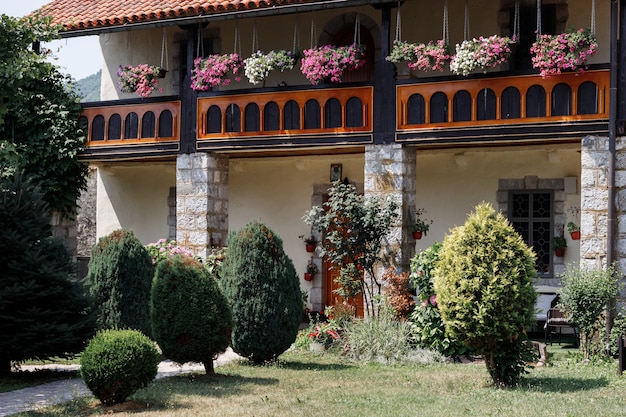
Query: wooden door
(330, 297)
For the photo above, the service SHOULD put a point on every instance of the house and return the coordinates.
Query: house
(190, 165)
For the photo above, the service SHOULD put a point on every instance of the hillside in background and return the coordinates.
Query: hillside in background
(89, 87)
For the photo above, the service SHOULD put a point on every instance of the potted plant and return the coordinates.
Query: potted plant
(311, 270)
(215, 70)
(421, 225)
(426, 57)
(480, 53)
(574, 230)
(142, 79)
(328, 62)
(569, 51)
(322, 334)
(259, 64)
(559, 244)
(310, 242)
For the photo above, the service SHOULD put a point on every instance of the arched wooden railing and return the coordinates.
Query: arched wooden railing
(331, 110)
(503, 100)
(132, 123)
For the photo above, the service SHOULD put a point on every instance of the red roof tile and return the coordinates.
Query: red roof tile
(88, 14)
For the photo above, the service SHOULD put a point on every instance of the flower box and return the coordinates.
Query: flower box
(552, 54)
(480, 54)
(259, 65)
(215, 70)
(425, 57)
(141, 80)
(328, 63)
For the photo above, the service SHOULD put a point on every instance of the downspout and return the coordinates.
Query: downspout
(610, 235)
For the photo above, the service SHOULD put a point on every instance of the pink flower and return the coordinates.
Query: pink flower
(433, 300)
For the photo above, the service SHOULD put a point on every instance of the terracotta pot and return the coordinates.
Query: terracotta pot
(560, 252)
(417, 235)
(310, 247)
(308, 277)
(317, 347)
(575, 235)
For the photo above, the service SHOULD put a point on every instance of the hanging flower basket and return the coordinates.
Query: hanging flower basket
(215, 70)
(481, 53)
(141, 80)
(328, 63)
(552, 54)
(259, 65)
(425, 57)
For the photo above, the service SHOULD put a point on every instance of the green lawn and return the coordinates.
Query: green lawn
(307, 384)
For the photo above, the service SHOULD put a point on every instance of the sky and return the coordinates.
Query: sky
(79, 57)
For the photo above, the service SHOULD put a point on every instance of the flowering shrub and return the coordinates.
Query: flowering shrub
(552, 54)
(164, 248)
(142, 79)
(259, 65)
(480, 53)
(214, 70)
(426, 57)
(323, 332)
(329, 62)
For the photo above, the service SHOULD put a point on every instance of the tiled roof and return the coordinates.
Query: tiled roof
(92, 14)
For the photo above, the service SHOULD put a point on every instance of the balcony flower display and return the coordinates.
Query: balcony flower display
(552, 54)
(142, 79)
(215, 70)
(329, 62)
(480, 53)
(259, 65)
(426, 57)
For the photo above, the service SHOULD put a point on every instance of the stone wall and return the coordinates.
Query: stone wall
(201, 202)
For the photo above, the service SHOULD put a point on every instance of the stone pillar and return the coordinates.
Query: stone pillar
(594, 201)
(390, 173)
(201, 201)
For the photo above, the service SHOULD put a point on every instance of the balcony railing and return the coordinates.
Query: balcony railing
(132, 123)
(503, 100)
(286, 113)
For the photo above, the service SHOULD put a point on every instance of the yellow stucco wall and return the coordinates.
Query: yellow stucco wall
(134, 197)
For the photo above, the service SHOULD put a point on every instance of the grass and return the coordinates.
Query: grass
(312, 385)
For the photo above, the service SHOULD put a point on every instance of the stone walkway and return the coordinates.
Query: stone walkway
(61, 391)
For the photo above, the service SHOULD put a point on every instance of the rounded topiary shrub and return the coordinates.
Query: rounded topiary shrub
(261, 284)
(117, 363)
(120, 280)
(483, 281)
(191, 319)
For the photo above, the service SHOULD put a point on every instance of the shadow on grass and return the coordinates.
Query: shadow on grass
(563, 385)
(24, 379)
(312, 366)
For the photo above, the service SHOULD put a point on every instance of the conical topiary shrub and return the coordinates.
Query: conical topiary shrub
(120, 280)
(261, 284)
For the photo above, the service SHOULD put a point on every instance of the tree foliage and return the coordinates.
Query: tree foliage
(355, 230)
(483, 282)
(119, 279)
(584, 294)
(260, 282)
(191, 318)
(39, 112)
(43, 309)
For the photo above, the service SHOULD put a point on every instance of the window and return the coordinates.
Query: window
(531, 212)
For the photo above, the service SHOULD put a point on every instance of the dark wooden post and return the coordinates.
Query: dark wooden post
(622, 351)
(621, 78)
(189, 97)
(385, 84)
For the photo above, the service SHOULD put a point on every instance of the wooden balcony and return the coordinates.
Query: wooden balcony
(493, 108)
(302, 117)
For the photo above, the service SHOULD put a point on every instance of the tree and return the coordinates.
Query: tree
(39, 112)
(355, 229)
(585, 292)
(191, 318)
(43, 309)
(119, 279)
(260, 282)
(483, 282)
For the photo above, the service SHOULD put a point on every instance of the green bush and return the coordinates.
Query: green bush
(43, 309)
(428, 328)
(191, 318)
(483, 282)
(263, 289)
(584, 294)
(120, 280)
(117, 363)
(618, 329)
